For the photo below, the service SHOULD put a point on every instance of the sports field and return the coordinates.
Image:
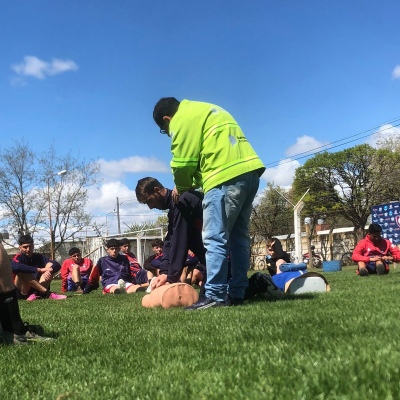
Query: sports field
(340, 345)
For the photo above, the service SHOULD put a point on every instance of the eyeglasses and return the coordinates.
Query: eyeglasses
(164, 131)
(113, 248)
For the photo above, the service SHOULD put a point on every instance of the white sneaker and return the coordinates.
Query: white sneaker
(121, 286)
(148, 290)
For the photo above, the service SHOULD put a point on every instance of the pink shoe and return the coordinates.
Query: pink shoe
(55, 296)
(33, 297)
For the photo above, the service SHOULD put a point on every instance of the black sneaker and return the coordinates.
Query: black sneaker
(234, 301)
(205, 303)
(380, 269)
(269, 287)
(33, 329)
(363, 271)
(254, 287)
(34, 333)
(262, 283)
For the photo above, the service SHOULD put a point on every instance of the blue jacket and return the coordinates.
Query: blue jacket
(111, 270)
(22, 263)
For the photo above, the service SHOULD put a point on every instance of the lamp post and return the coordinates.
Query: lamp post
(111, 212)
(59, 173)
(297, 224)
(118, 214)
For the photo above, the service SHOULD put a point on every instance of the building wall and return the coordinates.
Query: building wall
(342, 242)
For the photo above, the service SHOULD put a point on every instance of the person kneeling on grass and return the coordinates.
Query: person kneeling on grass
(115, 272)
(13, 330)
(75, 272)
(33, 272)
(373, 253)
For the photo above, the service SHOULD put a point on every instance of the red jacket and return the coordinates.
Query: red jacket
(133, 263)
(366, 249)
(85, 267)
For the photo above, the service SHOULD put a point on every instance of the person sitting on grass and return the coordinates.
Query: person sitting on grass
(152, 263)
(33, 272)
(115, 272)
(13, 330)
(275, 253)
(75, 272)
(373, 253)
(139, 274)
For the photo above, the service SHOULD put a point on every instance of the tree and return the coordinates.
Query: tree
(31, 191)
(273, 215)
(348, 183)
(151, 228)
(389, 139)
(19, 190)
(65, 195)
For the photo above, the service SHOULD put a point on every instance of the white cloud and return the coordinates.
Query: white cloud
(102, 203)
(134, 164)
(396, 72)
(283, 174)
(304, 144)
(103, 199)
(39, 69)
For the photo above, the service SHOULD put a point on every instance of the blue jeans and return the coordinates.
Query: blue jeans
(226, 215)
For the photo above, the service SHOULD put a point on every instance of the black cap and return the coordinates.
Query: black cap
(373, 228)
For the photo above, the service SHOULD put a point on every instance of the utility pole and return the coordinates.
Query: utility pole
(118, 217)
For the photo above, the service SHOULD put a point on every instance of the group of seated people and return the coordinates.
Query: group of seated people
(119, 271)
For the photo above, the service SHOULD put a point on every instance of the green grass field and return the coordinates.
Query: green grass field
(339, 345)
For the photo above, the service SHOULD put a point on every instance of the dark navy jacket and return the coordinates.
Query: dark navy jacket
(22, 263)
(185, 222)
(111, 270)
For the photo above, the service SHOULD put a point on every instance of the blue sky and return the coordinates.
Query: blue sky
(85, 75)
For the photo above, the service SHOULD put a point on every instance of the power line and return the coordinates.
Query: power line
(329, 146)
